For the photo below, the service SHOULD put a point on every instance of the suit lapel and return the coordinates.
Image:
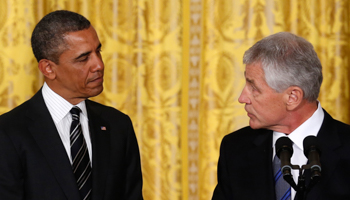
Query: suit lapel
(265, 141)
(329, 141)
(44, 131)
(100, 138)
(261, 167)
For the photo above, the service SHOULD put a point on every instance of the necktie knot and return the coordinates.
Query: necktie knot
(75, 111)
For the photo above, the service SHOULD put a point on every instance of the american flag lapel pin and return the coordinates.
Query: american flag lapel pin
(103, 128)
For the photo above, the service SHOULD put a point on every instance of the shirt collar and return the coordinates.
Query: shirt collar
(57, 105)
(310, 127)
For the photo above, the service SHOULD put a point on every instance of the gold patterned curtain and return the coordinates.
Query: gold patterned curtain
(175, 67)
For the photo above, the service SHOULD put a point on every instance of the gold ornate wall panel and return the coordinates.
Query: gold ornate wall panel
(18, 75)
(331, 36)
(175, 67)
(142, 53)
(193, 100)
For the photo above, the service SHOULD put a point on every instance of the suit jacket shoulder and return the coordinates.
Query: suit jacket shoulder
(116, 157)
(334, 141)
(245, 165)
(242, 139)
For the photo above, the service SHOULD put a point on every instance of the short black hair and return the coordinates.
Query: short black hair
(48, 35)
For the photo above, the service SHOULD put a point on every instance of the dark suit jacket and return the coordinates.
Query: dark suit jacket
(34, 164)
(245, 165)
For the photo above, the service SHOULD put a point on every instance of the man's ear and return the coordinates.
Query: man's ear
(294, 96)
(46, 68)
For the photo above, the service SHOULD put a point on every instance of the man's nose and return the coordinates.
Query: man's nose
(98, 64)
(243, 98)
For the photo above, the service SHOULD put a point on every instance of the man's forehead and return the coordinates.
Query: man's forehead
(254, 68)
(254, 73)
(83, 37)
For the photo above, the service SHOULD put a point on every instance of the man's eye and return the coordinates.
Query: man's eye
(84, 59)
(254, 88)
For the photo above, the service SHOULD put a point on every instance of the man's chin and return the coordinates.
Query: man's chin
(96, 91)
(254, 125)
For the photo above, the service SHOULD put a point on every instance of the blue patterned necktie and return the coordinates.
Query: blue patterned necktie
(282, 188)
(80, 156)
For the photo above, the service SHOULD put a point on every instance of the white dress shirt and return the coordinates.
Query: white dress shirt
(310, 127)
(59, 109)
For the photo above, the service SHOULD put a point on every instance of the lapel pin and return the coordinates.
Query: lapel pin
(103, 128)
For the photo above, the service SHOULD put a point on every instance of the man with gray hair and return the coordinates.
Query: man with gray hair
(283, 79)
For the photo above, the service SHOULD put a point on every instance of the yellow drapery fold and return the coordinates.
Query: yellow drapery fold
(175, 67)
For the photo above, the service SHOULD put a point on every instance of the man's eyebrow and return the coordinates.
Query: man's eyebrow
(83, 55)
(99, 46)
(87, 53)
(250, 81)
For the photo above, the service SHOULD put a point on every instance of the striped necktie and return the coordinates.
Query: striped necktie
(80, 156)
(282, 188)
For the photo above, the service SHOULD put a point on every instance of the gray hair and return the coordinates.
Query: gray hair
(288, 60)
(48, 35)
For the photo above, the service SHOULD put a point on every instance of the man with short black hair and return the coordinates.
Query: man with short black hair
(60, 145)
